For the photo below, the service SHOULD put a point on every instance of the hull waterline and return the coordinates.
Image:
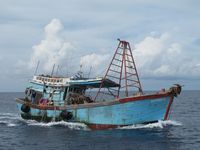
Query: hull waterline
(104, 115)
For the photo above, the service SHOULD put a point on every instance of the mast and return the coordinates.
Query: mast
(122, 70)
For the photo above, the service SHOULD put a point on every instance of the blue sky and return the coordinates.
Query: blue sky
(165, 36)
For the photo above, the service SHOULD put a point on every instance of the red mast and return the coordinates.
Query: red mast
(121, 70)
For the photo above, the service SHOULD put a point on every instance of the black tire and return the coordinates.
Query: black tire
(66, 115)
(25, 108)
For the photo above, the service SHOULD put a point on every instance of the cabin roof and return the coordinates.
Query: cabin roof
(94, 83)
(82, 82)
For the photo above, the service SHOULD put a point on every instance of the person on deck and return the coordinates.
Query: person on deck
(33, 97)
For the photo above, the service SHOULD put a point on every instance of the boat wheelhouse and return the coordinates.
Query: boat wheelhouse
(61, 90)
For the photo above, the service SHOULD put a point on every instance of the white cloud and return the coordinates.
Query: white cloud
(174, 49)
(197, 65)
(162, 70)
(53, 28)
(53, 49)
(93, 60)
(97, 61)
(149, 48)
(161, 57)
(19, 31)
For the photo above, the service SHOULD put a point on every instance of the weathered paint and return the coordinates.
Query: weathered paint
(111, 114)
(57, 96)
(168, 108)
(40, 112)
(101, 126)
(126, 113)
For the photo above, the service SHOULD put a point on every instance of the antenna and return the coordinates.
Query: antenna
(52, 70)
(37, 67)
(89, 71)
(57, 70)
(81, 67)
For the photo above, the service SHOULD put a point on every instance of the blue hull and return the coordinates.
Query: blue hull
(105, 114)
(125, 113)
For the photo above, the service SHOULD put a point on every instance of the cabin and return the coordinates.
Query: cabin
(61, 91)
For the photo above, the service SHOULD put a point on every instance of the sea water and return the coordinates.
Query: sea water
(182, 131)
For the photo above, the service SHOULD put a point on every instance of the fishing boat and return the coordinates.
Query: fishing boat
(117, 100)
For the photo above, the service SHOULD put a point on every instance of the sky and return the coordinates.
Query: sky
(164, 36)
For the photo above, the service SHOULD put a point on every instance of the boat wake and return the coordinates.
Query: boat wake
(159, 124)
(12, 120)
(70, 125)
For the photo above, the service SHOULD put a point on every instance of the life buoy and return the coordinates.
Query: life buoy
(66, 115)
(25, 108)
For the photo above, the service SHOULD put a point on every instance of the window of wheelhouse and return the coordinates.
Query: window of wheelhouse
(73, 90)
(33, 95)
(78, 90)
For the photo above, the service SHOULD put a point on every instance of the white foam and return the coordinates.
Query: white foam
(9, 117)
(11, 125)
(71, 125)
(3, 122)
(159, 124)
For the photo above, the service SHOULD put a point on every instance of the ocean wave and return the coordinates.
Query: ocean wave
(9, 119)
(8, 123)
(159, 124)
(8, 115)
